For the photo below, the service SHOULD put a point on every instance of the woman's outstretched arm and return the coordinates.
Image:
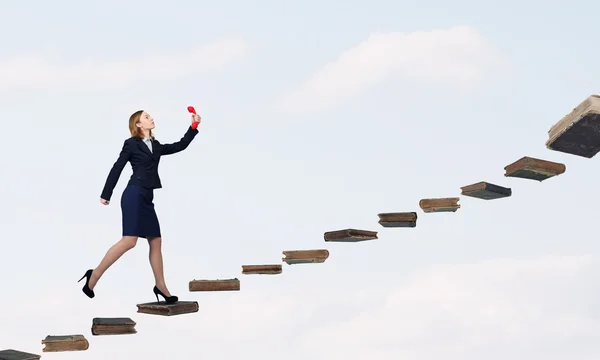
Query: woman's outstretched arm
(115, 172)
(182, 144)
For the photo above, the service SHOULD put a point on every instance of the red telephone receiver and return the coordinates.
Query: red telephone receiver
(193, 111)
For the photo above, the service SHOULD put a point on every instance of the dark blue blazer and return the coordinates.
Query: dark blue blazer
(143, 162)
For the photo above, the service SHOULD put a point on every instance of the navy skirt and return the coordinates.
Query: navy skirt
(139, 217)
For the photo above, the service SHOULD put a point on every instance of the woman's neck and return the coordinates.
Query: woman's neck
(146, 133)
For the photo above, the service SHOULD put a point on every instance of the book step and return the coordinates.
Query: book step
(271, 269)
(113, 326)
(534, 169)
(578, 132)
(350, 235)
(398, 219)
(11, 354)
(437, 205)
(56, 343)
(292, 257)
(164, 309)
(215, 285)
(486, 191)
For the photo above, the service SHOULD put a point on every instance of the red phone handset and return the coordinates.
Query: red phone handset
(193, 111)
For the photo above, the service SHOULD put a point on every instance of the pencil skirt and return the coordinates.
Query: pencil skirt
(138, 214)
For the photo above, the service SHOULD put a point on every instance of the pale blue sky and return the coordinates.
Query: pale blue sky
(513, 278)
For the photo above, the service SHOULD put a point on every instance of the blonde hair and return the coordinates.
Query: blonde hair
(135, 130)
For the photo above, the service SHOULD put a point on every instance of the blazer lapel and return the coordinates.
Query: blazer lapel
(144, 147)
(155, 153)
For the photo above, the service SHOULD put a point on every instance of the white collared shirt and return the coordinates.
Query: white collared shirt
(148, 142)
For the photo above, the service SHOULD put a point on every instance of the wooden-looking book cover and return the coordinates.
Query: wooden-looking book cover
(534, 169)
(436, 205)
(578, 132)
(10, 354)
(164, 309)
(486, 191)
(215, 285)
(272, 269)
(305, 256)
(350, 235)
(55, 343)
(398, 219)
(113, 326)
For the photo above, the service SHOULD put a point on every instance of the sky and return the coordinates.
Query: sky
(316, 116)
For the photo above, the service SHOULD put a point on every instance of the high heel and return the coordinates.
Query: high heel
(86, 289)
(168, 299)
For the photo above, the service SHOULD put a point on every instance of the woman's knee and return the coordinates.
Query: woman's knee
(129, 241)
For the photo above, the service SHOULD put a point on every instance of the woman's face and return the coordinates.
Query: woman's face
(146, 122)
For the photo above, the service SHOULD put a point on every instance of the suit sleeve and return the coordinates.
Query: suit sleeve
(182, 144)
(115, 172)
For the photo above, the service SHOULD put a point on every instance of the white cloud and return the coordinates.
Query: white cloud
(33, 71)
(457, 56)
(495, 310)
(500, 309)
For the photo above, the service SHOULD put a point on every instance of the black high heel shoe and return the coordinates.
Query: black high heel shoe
(168, 299)
(86, 289)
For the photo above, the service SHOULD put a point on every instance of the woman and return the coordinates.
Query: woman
(138, 215)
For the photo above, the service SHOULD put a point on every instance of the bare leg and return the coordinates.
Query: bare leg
(113, 254)
(156, 261)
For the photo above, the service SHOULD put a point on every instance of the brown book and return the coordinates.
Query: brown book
(273, 269)
(578, 132)
(11, 354)
(215, 285)
(398, 219)
(113, 326)
(486, 191)
(305, 256)
(164, 309)
(350, 235)
(439, 205)
(65, 343)
(534, 169)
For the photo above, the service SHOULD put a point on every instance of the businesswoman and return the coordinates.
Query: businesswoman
(143, 151)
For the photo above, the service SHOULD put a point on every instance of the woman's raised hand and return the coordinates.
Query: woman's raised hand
(104, 202)
(195, 120)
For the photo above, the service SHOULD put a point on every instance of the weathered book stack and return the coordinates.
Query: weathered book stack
(164, 309)
(11, 354)
(56, 343)
(578, 132)
(436, 205)
(292, 257)
(349, 235)
(214, 285)
(113, 326)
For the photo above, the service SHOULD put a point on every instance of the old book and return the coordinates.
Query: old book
(56, 343)
(273, 269)
(215, 285)
(439, 205)
(398, 219)
(305, 256)
(164, 309)
(350, 235)
(534, 169)
(486, 191)
(578, 132)
(113, 326)
(11, 354)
